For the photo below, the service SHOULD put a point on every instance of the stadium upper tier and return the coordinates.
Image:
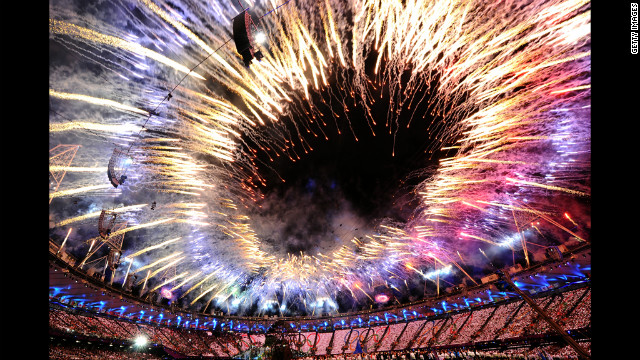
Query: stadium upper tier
(511, 322)
(72, 288)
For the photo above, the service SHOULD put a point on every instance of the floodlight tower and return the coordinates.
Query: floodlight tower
(60, 157)
(110, 234)
(115, 248)
(520, 220)
(106, 221)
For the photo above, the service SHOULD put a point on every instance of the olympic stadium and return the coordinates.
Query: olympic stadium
(319, 179)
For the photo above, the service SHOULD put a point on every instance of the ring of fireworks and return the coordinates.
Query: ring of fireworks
(508, 83)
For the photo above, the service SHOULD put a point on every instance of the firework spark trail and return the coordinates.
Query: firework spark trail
(135, 227)
(159, 261)
(168, 281)
(547, 186)
(63, 28)
(517, 73)
(498, 129)
(97, 213)
(77, 169)
(95, 101)
(79, 190)
(115, 128)
(163, 268)
(185, 281)
(157, 246)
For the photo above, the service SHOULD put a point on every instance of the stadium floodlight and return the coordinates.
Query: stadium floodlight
(261, 38)
(140, 341)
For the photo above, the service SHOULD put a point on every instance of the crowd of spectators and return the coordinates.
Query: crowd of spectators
(571, 309)
(498, 321)
(339, 341)
(193, 342)
(188, 342)
(428, 334)
(559, 352)
(408, 335)
(372, 336)
(307, 339)
(472, 326)
(554, 308)
(580, 317)
(520, 320)
(392, 335)
(66, 352)
(565, 351)
(119, 329)
(453, 327)
(555, 352)
(322, 343)
(567, 310)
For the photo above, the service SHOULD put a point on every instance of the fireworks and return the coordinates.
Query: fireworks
(508, 85)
